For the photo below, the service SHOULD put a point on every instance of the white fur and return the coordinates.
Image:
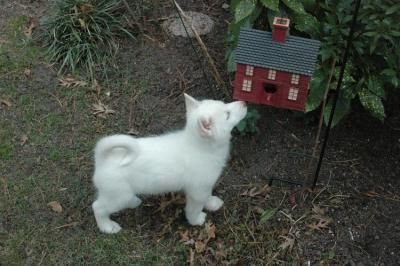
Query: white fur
(189, 160)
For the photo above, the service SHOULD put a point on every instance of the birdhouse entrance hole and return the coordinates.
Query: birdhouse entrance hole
(269, 88)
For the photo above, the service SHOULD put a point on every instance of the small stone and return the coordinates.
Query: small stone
(202, 23)
(225, 6)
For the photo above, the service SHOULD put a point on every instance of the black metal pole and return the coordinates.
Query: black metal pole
(336, 96)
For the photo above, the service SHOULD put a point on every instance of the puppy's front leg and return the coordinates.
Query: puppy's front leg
(194, 207)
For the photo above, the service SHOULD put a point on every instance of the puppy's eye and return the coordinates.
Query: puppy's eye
(228, 114)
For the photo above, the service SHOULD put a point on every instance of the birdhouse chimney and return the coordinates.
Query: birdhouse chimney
(280, 29)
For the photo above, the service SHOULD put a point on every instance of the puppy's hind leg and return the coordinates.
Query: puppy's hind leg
(103, 207)
(213, 203)
(134, 202)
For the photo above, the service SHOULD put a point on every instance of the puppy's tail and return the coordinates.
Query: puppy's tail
(117, 149)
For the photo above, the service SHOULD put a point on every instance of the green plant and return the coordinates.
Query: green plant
(373, 69)
(249, 124)
(374, 62)
(83, 33)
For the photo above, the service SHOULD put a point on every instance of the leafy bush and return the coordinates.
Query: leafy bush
(373, 69)
(82, 33)
(249, 124)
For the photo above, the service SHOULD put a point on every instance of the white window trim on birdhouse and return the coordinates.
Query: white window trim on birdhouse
(249, 70)
(293, 93)
(271, 74)
(295, 79)
(246, 86)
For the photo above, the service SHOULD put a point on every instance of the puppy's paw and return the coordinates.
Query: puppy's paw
(199, 220)
(110, 227)
(214, 203)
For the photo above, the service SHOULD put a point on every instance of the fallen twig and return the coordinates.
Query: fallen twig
(66, 225)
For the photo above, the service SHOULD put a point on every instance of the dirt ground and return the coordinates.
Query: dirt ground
(48, 130)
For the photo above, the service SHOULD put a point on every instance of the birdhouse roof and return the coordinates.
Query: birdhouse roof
(295, 55)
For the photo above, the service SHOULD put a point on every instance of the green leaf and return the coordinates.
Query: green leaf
(244, 9)
(267, 215)
(374, 43)
(295, 5)
(309, 4)
(317, 89)
(271, 4)
(231, 64)
(372, 103)
(375, 85)
(392, 9)
(233, 5)
(234, 28)
(242, 125)
(306, 23)
(342, 108)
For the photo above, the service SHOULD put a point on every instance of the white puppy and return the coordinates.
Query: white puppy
(189, 160)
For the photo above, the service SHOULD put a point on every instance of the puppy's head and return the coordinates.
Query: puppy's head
(213, 119)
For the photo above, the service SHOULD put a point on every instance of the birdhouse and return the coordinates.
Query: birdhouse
(274, 68)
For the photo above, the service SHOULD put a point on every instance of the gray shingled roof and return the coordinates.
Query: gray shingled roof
(295, 55)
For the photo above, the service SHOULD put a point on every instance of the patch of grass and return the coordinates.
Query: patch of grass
(6, 142)
(18, 51)
(82, 34)
(16, 26)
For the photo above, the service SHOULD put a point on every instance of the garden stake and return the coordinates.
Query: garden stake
(178, 10)
(336, 96)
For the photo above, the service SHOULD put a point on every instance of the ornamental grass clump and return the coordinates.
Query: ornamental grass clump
(82, 34)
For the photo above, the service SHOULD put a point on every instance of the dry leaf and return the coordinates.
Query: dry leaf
(5, 102)
(133, 132)
(210, 228)
(24, 139)
(96, 87)
(316, 209)
(256, 191)
(292, 199)
(322, 223)
(371, 194)
(85, 8)
(200, 246)
(175, 199)
(190, 259)
(71, 82)
(220, 253)
(55, 206)
(101, 110)
(29, 28)
(28, 72)
(184, 235)
(82, 22)
(288, 243)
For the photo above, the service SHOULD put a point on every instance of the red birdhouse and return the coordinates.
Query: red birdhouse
(274, 68)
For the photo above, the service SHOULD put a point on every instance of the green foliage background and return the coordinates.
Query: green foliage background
(373, 69)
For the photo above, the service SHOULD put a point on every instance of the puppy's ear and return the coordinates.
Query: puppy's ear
(205, 126)
(190, 102)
